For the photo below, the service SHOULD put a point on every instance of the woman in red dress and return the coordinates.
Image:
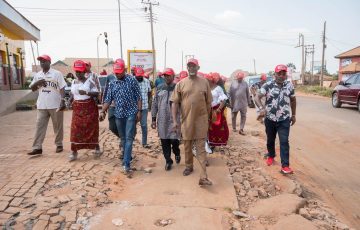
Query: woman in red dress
(85, 116)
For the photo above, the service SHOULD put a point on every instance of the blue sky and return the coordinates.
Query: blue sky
(223, 35)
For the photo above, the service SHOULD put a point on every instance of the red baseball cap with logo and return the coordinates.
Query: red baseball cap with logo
(139, 72)
(44, 57)
(79, 66)
(263, 77)
(194, 61)
(280, 67)
(183, 74)
(168, 71)
(119, 60)
(118, 67)
(240, 75)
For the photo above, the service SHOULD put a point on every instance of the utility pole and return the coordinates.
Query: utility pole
(312, 63)
(301, 44)
(151, 4)
(121, 52)
(309, 49)
(323, 56)
(33, 54)
(97, 48)
(254, 66)
(165, 54)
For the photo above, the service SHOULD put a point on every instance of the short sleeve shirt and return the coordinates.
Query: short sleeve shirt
(49, 95)
(126, 94)
(145, 88)
(278, 100)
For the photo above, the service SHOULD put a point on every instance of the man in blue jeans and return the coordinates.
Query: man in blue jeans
(145, 91)
(125, 91)
(280, 98)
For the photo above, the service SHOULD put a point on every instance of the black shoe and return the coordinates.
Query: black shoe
(177, 159)
(59, 149)
(188, 171)
(168, 166)
(35, 152)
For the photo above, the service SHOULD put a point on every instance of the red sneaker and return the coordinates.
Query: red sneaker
(286, 170)
(270, 161)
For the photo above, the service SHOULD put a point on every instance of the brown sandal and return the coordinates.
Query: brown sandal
(188, 171)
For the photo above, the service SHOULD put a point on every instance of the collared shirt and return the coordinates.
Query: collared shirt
(109, 78)
(49, 95)
(277, 103)
(126, 94)
(239, 95)
(145, 88)
(194, 97)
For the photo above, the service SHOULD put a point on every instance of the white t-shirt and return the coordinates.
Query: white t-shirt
(218, 95)
(88, 86)
(49, 95)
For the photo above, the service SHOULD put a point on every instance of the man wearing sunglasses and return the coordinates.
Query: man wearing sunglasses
(279, 112)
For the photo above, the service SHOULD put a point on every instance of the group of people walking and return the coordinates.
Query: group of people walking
(187, 108)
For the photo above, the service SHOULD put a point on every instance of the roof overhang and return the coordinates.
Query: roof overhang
(17, 24)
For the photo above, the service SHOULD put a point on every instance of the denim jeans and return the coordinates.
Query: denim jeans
(112, 123)
(143, 123)
(126, 129)
(282, 128)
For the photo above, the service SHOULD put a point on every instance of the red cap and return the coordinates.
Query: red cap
(147, 75)
(168, 71)
(215, 77)
(183, 74)
(139, 72)
(119, 67)
(223, 78)
(263, 77)
(209, 77)
(280, 67)
(159, 73)
(44, 57)
(119, 60)
(88, 63)
(79, 66)
(240, 75)
(133, 68)
(194, 61)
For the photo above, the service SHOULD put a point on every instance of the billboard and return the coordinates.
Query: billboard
(140, 58)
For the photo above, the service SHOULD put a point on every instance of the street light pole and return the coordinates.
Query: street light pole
(165, 54)
(97, 45)
(121, 51)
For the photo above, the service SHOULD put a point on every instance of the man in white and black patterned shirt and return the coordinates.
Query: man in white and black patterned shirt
(145, 91)
(280, 97)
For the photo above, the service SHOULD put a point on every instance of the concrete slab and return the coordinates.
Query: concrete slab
(173, 189)
(145, 217)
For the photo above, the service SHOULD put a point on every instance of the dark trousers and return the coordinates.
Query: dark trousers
(282, 128)
(167, 145)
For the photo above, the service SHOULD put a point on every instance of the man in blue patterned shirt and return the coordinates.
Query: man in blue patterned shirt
(125, 91)
(280, 97)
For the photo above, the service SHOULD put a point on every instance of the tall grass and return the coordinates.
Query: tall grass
(317, 90)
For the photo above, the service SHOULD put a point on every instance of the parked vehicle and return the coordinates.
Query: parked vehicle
(347, 92)
(250, 80)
